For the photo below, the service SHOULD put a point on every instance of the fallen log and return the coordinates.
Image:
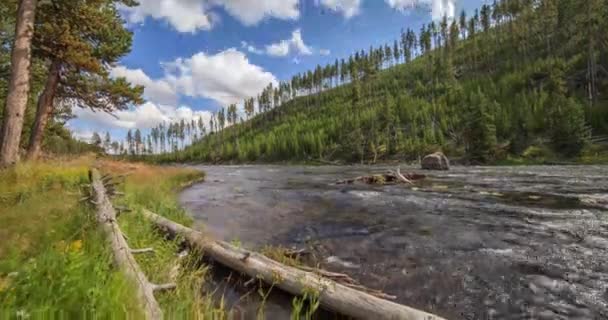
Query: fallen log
(388, 178)
(332, 295)
(123, 257)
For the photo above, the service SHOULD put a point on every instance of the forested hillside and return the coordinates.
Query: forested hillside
(519, 77)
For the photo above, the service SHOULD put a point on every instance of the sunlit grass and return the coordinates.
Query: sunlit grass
(54, 261)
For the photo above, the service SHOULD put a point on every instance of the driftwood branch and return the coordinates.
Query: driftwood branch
(388, 178)
(106, 216)
(164, 287)
(334, 296)
(144, 250)
(401, 177)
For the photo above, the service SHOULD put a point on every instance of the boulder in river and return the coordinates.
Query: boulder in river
(436, 161)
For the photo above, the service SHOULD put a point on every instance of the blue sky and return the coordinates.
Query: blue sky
(195, 56)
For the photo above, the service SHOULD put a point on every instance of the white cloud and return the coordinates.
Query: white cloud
(439, 8)
(194, 15)
(324, 52)
(143, 117)
(348, 8)
(226, 77)
(251, 12)
(183, 15)
(250, 48)
(158, 91)
(294, 45)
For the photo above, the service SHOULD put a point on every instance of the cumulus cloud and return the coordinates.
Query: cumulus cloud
(439, 8)
(252, 12)
(348, 8)
(159, 91)
(293, 45)
(226, 77)
(194, 15)
(183, 15)
(141, 117)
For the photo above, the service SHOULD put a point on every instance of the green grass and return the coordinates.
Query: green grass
(54, 261)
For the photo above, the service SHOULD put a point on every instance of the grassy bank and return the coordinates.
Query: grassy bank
(54, 261)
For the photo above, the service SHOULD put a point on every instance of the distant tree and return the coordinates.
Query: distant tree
(107, 142)
(96, 140)
(137, 141)
(480, 131)
(115, 146)
(396, 51)
(130, 142)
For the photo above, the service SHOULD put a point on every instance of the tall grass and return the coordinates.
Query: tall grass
(54, 261)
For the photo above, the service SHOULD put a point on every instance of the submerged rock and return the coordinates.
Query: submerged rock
(436, 161)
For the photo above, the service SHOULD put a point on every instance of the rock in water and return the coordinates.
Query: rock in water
(436, 161)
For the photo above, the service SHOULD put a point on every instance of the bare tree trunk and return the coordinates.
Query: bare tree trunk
(45, 108)
(19, 83)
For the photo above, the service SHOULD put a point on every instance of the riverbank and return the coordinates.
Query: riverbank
(53, 259)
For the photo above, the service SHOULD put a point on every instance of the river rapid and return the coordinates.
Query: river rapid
(471, 243)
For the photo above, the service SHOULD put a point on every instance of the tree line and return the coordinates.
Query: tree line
(513, 75)
(60, 54)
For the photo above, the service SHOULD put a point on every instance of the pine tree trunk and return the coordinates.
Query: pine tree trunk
(44, 110)
(19, 83)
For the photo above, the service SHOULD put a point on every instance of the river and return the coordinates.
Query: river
(471, 243)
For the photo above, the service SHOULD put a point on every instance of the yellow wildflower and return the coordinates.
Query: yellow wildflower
(76, 245)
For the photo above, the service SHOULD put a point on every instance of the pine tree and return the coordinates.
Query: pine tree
(130, 142)
(137, 141)
(107, 142)
(96, 140)
(80, 42)
(568, 129)
(480, 131)
(19, 84)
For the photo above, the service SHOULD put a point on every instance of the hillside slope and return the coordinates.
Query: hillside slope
(511, 81)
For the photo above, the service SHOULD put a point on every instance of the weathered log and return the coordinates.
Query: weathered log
(332, 295)
(401, 177)
(106, 216)
(387, 178)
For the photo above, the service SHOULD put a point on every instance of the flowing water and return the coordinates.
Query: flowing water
(471, 243)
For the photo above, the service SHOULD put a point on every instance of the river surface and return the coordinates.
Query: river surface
(471, 243)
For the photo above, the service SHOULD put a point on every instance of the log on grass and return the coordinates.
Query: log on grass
(106, 216)
(332, 295)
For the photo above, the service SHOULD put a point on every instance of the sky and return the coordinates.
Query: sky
(196, 56)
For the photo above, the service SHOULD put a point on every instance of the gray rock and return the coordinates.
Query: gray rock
(436, 161)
